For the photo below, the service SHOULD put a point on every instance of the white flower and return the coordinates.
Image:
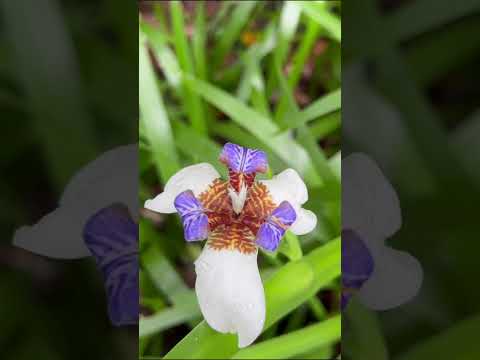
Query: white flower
(371, 210)
(236, 217)
(106, 180)
(94, 218)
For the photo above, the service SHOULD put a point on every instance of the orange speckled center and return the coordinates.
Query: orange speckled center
(229, 230)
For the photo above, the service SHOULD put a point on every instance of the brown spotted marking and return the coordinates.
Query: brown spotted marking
(234, 237)
(229, 231)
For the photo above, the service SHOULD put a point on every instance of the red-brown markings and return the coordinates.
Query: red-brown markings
(231, 231)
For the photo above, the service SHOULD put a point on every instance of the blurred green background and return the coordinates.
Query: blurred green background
(262, 74)
(68, 90)
(411, 102)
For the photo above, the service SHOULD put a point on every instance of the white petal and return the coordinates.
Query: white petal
(396, 279)
(195, 177)
(57, 235)
(230, 293)
(110, 176)
(289, 186)
(370, 204)
(306, 222)
(104, 181)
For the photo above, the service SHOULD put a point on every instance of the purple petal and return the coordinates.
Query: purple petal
(273, 229)
(357, 262)
(244, 160)
(123, 301)
(194, 219)
(345, 299)
(112, 237)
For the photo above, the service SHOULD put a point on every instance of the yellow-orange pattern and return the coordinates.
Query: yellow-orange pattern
(259, 203)
(231, 231)
(230, 237)
(217, 203)
(216, 198)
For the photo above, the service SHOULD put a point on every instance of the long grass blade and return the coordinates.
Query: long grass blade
(166, 319)
(154, 116)
(320, 13)
(323, 106)
(259, 125)
(54, 93)
(193, 103)
(295, 343)
(227, 38)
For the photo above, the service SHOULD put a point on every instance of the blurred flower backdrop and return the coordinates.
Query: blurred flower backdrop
(411, 103)
(262, 74)
(68, 90)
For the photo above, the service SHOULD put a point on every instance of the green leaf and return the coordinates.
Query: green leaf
(335, 163)
(159, 12)
(250, 78)
(297, 319)
(193, 103)
(321, 107)
(167, 281)
(162, 273)
(154, 303)
(227, 38)
(290, 247)
(317, 308)
(165, 56)
(295, 343)
(289, 19)
(459, 342)
(430, 57)
(176, 315)
(364, 340)
(288, 23)
(464, 142)
(299, 60)
(320, 13)
(258, 96)
(305, 138)
(199, 41)
(154, 117)
(220, 15)
(47, 72)
(259, 125)
(305, 277)
(326, 125)
(198, 147)
(420, 18)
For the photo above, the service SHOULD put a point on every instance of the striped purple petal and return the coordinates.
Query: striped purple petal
(357, 263)
(194, 219)
(112, 238)
(273, 229)
(243, 160)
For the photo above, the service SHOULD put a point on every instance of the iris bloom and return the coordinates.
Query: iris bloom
(235, 217)
(384, 277)
(85, 223)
